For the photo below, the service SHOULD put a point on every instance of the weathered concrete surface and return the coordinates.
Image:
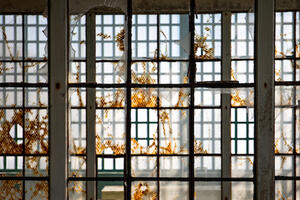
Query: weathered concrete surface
(143, 6)
(264, 188)
(226, 105)
(58, 65)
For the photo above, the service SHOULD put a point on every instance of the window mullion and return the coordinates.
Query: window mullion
(192, 75)
(226, 107)
(91, 103)
(264, 100)
(128, 32)
(58, 66)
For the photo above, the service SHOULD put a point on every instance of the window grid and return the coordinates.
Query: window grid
(36, 37)
(215, 161)
(286, 103)
(291, 193)
(143, 43)
(109, 26)
(24, 151)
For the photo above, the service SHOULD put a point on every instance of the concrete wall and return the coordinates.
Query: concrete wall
(142, 6)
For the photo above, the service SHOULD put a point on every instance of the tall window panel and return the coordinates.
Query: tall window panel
(207, 105)
(77, 112)
(242, 103)
(24, 155)
(286, 105)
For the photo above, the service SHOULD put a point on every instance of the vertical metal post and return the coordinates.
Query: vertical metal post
(58, 64)
(158, 110)
(23, 103)
(264, 188)
(128, 30)
(91, 104)
(226, 107)
(294, 103)
(192, 74)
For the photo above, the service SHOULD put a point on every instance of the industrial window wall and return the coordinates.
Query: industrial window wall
(147, 115)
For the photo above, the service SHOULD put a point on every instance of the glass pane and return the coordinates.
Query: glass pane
(110, 190)
(78, 37)
(11, 189)
(284, 166)
(284, 190)
(173, 190)
(10, 71)
(207, 190)
(242, 190)
(284, 34)
(143, 166)
(144, 190)
(207, 36)
(242, 35)
(242, 71)
(110, 34)
(11, 37)
(208, 71)
(36, 190)
(207, 166)
(36, 37)
(242, 166)
(144, 126)
(173, 35)
(174, 131)
(173, 72)
(207, 131)
(110, 131)
(77, 190)
(173, 166)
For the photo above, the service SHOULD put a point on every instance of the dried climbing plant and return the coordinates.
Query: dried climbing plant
(282, 196)
(120, 37)
(201, 45)
(236, 99)
(149, 98)
(35, 134)
(142, 191)
(11, 189)
(140, 97)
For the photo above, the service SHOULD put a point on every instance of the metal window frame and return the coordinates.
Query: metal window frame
(128, 85)
(261, 100)
(294, 84)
